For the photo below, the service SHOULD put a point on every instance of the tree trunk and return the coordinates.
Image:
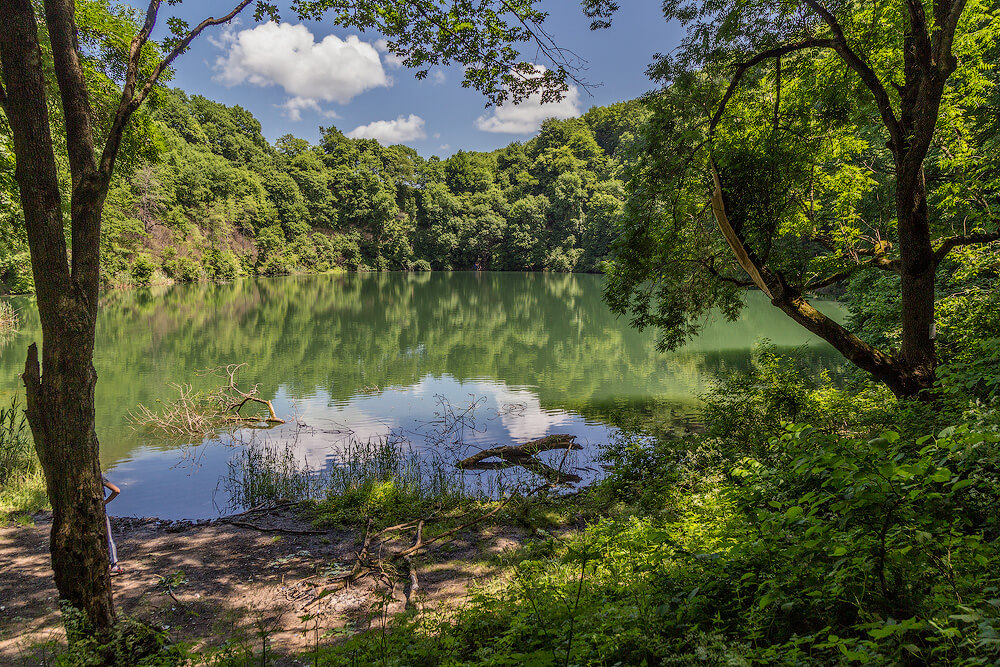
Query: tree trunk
(61, 415)
(60, 393)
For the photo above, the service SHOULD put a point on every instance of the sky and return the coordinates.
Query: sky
(296, 77)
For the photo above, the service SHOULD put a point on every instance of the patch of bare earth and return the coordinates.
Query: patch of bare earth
(214, 582)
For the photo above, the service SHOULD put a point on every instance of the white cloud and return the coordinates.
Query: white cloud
(293, 107)
(444, 147)
(390, 58)
(388, 132)
(438, 77)
(527, 116)
(332, 70)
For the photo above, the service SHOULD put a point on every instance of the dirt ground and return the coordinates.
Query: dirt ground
(210, 582)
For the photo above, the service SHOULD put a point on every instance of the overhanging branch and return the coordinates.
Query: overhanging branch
(863, 70)
(131, 100)
(952, 242)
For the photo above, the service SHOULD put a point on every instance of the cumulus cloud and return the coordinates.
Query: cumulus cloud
(388, 132)
(331, 70)
(390, 58)
(527, 116)
(438, 77)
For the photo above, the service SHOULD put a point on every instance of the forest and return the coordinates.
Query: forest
(823, 497)
(207, 197)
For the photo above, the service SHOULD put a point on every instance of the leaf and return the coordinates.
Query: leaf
(793, 512)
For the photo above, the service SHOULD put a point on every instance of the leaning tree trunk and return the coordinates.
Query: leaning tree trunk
(60, 392)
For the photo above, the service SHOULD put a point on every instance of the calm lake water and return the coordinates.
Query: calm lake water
(360, 355)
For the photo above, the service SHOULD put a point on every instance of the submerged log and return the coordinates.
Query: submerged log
(525, 455)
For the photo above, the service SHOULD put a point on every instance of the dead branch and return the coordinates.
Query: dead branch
(197, 414)
(414, 587)
(525, 455)
(365, 564)
(265, 529)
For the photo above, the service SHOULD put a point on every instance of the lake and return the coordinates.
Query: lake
(361, 355)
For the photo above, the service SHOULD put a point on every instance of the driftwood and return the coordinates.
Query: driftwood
(526, 456)
(197, 414)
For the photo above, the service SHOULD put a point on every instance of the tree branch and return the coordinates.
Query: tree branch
(952, 242)
(742, 68)
(878, 262)
(946, 15)
(129, 103)
(868, 76)
(59, 15)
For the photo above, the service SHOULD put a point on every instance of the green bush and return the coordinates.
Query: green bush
(142, 270)
(15, 273)
(421, 265)
(182, 269)
(220, 264)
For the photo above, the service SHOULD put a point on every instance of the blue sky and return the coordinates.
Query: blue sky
(296, 77)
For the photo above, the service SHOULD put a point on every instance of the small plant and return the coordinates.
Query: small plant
(264, 472)
(8, 318)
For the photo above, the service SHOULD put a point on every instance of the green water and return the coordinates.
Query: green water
(362, 354)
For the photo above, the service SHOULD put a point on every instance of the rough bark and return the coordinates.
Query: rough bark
(60, 401)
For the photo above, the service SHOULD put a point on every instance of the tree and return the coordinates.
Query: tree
(800, 122)
(60, 389)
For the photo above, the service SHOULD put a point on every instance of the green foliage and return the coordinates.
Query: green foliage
(131, 643)
(17, 452)
(385, 480)
(142, 270)
(746, 407)
(15, 273)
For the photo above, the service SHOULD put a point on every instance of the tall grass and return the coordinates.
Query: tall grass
(265, 472)
(383, 478)
(22, 486)
(8, 318)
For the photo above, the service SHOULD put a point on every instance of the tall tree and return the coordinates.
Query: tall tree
(60, 389)
(799, 121)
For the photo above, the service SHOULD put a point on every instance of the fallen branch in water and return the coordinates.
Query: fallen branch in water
(197, 414)
(526, 456)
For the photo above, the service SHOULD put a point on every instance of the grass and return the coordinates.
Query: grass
(22, 485)
(383, 478)
(8, 318)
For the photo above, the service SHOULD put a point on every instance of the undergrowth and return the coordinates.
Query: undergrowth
(22, 485)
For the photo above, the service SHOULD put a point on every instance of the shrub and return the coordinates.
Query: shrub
(15, 273)
(142, 270)
(421, 265)
(182, 269)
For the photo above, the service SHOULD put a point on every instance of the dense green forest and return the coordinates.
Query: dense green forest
(205, 196)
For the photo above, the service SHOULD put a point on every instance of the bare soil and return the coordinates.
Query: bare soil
(213, 582)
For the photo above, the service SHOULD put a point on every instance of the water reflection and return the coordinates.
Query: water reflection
(366, 353)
